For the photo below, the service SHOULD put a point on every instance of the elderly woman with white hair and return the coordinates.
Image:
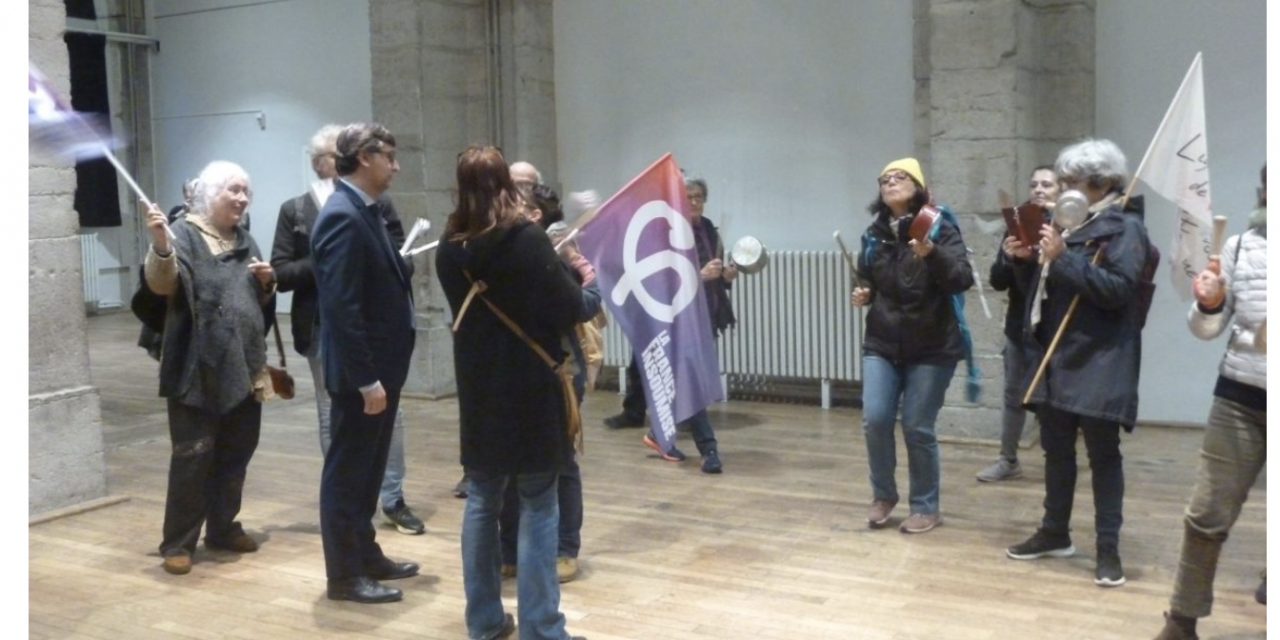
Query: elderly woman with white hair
(1090, 383)
(213, 361)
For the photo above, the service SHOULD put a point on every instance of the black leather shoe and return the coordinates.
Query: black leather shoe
(623, 421)
(364, 590)
(391, 570)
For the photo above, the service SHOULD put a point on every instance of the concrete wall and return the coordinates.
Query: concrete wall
(300, 63)
(64, 423)
(789, 110)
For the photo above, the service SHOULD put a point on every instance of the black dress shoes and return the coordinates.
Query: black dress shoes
(390, 570)
(364, 590)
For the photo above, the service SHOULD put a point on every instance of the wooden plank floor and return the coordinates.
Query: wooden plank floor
(775, 548)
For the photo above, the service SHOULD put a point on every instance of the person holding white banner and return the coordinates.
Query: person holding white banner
(1231, 295)
(1085, 294)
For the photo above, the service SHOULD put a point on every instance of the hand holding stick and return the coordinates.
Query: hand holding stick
(848, 258)
(1215, 250)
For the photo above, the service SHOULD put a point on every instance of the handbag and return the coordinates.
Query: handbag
(562, 370)
(281, 380)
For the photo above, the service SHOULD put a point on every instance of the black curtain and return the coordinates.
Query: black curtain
(97, 192)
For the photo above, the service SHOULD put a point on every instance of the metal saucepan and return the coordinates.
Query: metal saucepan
(1071, 211)
(749, 254)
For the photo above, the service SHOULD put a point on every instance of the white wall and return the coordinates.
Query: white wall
(1144, 48)
(303, 63)
(788, 109)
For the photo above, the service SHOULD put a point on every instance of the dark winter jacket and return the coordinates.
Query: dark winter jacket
(709, 246)
(1004, 278)
(511, 410)
(1094, 370)
(911, 319)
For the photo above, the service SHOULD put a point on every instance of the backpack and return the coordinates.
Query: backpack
(973, 385)
(1147, 284)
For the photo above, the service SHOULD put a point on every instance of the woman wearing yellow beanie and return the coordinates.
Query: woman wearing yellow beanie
(914, 339)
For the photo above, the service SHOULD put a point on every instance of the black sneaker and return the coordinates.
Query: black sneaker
(623, 421)
(404, 520)
(711, 463)
(1261, 594)
(1042, 544)
(1109, 573)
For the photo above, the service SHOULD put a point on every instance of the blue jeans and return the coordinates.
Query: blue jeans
(393, 480)
(537, 588)
(921, 388)
(569, 494)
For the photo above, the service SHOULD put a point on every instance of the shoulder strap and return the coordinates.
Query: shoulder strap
(275, 328)
(478, 288)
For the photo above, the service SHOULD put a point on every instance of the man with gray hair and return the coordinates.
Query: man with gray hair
(291, 258)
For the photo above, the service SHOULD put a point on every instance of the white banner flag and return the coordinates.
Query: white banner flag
(1177, 167)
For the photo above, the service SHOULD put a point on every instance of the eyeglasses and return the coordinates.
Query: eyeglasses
(891, 178)
(389, 155)
(696, 198)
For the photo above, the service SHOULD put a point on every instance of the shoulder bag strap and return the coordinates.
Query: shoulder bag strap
(275, 328)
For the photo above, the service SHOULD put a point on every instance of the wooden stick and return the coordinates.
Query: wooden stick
(1219, 236)
(848, 258)
(1053, 346)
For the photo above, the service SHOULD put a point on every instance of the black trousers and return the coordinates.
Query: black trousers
(1058, 431)
(207, 468)
(634, 404)
(350, 482)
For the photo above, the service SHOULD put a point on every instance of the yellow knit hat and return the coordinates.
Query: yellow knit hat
(910, 166)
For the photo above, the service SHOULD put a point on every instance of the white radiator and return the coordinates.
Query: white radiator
(794, 321)
(90, 271)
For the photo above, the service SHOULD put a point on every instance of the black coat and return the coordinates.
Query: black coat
(1094, 370)
(511, 409)
(1005, 277)
(709, 246)
(911, 319)
(291, 259)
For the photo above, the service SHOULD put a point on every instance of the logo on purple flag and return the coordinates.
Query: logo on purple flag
(641, 244)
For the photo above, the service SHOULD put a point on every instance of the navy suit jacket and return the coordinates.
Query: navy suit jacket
(366, 309)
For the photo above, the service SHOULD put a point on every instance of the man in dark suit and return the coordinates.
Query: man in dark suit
(366, 335)
(291, 259)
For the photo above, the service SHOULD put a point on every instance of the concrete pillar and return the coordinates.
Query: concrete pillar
(448, 73)
(64, 420)
(1001, 86)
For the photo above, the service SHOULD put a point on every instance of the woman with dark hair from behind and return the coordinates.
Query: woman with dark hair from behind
(512, 413)
(1230, 296)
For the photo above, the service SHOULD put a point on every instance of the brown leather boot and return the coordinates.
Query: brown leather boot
(178, 565)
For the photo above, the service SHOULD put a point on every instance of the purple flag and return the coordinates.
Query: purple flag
(56, 128)
(642, 246)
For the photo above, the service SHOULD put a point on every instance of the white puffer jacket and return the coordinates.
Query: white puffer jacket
(1244, 310)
